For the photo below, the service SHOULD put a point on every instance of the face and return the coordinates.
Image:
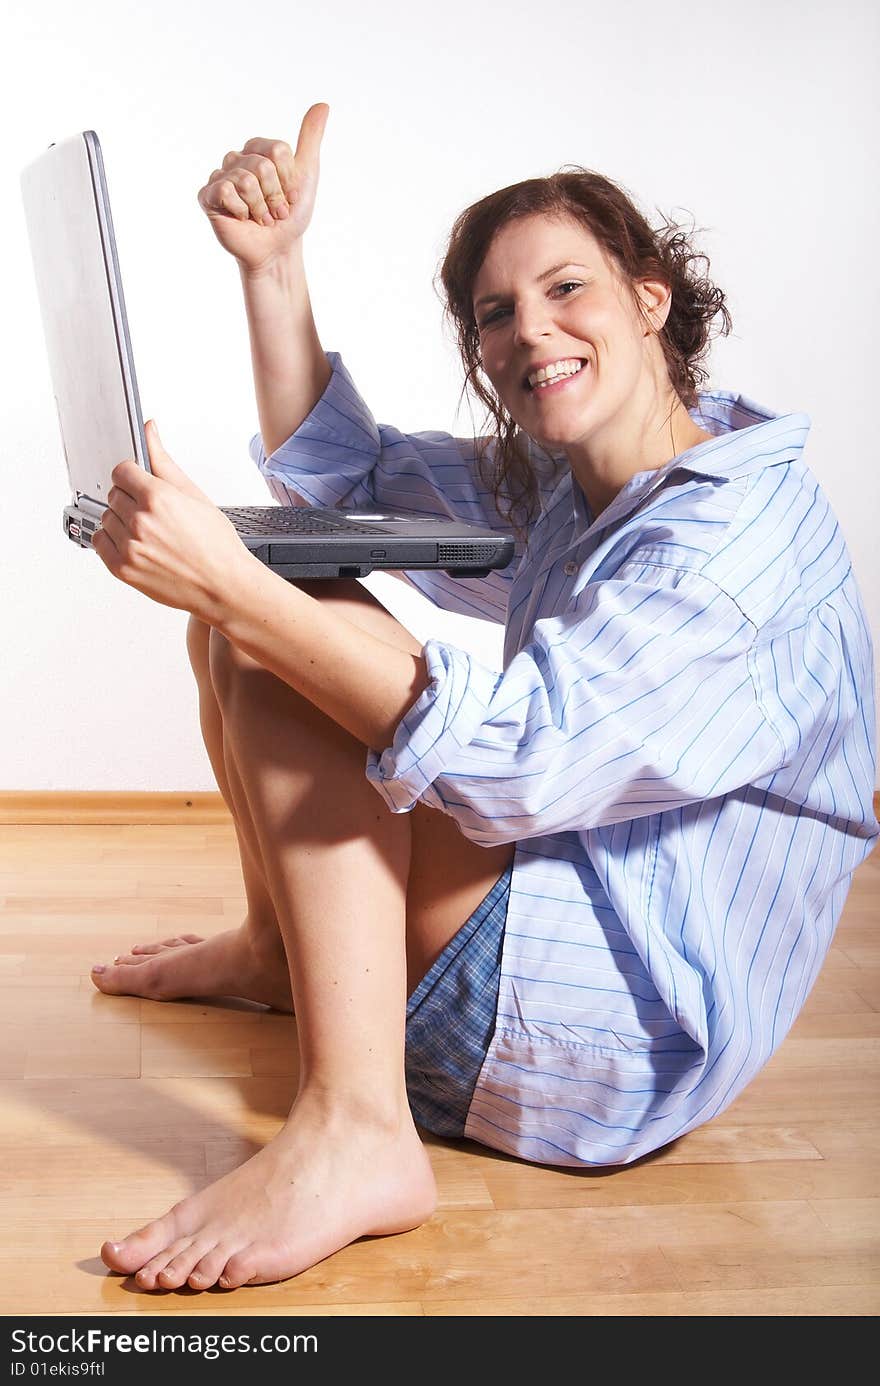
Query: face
(555, 299)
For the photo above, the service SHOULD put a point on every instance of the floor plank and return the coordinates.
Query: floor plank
(112, 1108)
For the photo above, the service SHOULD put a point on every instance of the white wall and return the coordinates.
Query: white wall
(758, 120)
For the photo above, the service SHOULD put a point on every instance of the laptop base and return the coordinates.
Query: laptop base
(80, 524)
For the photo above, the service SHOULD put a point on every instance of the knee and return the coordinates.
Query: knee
(226, 666)
(223, 663)
(234, 675)
(198, 636)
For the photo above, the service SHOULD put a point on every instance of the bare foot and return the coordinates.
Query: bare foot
(323, 1181)
(227, 965)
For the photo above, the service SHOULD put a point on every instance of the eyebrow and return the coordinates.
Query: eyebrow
(496, 298)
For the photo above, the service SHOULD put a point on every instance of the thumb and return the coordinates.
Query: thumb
(164, 467)
(310, 135)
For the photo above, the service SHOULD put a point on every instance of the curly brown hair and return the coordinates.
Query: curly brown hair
(609, 213)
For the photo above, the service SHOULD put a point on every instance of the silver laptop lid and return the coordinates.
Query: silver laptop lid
(91, 366)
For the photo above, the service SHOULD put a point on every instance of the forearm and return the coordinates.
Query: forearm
(362, 683)
(291, 371)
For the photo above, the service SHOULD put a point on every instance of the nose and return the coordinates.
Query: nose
(531, 322)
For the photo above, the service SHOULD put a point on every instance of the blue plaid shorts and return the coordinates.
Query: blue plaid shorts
(450, 1017)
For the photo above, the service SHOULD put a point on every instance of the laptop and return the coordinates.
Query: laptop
(79, 286)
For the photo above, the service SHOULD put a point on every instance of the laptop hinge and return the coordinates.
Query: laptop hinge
(94, 509)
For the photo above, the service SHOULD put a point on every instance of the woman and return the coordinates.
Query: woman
(609, 875)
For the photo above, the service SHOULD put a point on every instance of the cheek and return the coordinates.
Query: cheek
(495, 367)
(504, 386)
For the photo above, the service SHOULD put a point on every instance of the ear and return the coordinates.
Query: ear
(655, 297)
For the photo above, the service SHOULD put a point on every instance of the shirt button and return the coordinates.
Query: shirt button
(571, 568)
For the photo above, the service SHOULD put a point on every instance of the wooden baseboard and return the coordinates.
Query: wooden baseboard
(111, 807)
(64, 806)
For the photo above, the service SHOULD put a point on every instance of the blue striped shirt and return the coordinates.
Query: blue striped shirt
(681, 745)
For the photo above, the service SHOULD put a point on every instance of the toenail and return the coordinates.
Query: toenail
(99, 967)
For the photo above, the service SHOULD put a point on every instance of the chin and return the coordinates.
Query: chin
(556, 442)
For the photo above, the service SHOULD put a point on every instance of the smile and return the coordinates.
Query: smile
(555, 378)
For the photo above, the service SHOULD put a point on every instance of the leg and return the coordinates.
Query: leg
(248, 961)
(338, 867)
(448, 879)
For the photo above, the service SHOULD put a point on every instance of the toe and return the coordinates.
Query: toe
(142, 950)
(178, 1269)
(104, 977)
(142, 1246)
(151, 1276)
(210, 1267)
(247, 1267)
(120, 979)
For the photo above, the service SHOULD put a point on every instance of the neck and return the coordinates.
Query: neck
(646, 441)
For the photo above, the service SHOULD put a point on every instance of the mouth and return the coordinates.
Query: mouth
(555, 383)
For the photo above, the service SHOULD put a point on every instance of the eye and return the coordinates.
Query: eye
(493, 316)
(499, 312)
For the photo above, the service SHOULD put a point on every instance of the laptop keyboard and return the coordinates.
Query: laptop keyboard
(283, 519)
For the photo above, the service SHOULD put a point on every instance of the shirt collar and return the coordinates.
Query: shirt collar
(747, 437)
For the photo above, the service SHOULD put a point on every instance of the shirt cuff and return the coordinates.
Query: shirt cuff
(446, 717)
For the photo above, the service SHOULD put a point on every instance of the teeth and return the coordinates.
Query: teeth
(556, 371)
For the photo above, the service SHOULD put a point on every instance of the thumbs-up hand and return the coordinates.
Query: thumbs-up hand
(260, 201)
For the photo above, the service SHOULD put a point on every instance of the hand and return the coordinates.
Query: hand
(261, 201)
(164, 537)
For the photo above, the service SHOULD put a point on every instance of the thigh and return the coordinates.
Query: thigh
(449, 877)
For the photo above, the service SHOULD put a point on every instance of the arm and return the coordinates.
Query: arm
(340, 456)
(291, 371)
(164, 537)
(362, 683)
(259, 204)
(637, 699)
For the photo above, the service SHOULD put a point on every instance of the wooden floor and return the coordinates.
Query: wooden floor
(114, 1108)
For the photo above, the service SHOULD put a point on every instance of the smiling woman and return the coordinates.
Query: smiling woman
(618, 299)
(616, 866)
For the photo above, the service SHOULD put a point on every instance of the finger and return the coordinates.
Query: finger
(221, 195)
(311, 132)
(104, 547)
(131, 478)
(164, 467)
(121, 503)
(260, 164)
(256, 180)
(113, 529)
(236, 192)
(280, 155)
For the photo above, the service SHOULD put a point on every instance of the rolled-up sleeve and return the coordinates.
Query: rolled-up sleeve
(340, 456)
(331, 456)
(641, 697)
